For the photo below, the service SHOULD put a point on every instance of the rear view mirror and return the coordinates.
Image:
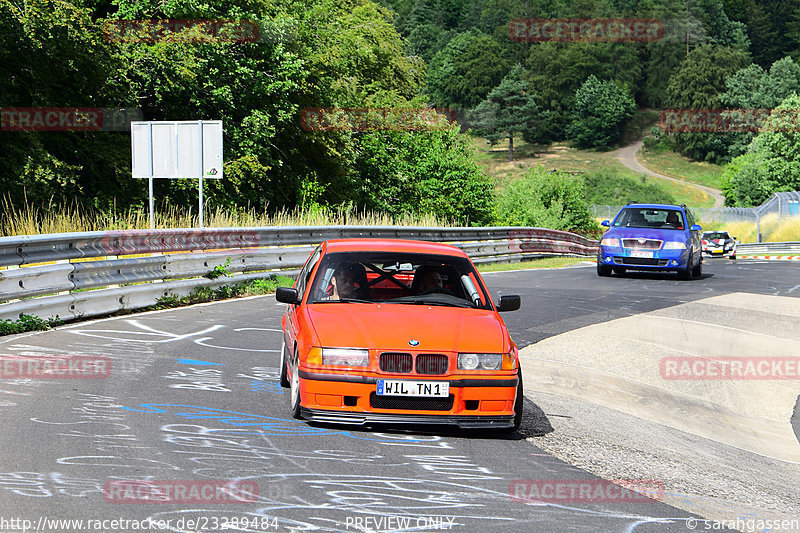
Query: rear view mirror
(286, 295)
(696, 228)
(508, 302)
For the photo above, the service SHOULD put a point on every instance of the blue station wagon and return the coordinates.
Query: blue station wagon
(651, 237)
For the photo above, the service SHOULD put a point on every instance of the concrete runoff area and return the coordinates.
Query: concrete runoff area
(724, 427)
(618, 364)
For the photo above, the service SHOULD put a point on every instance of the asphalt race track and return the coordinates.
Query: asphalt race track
(193, 395)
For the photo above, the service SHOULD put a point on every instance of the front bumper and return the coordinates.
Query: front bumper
(719, 252)
(661, 259)
(480, 401)
(362, 419)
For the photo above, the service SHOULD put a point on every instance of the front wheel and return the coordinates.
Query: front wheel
(518, 407)
(603, 270)
(294, 388)
(698, 270)
(686, 274)
(284, 380)
(519, 402)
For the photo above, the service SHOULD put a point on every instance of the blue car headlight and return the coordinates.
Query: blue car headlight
(674, 245)
(610, 241)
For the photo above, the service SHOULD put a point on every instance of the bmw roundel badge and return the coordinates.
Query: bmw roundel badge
(413, 342)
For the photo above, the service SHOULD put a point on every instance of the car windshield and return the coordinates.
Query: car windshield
(398, 278)
(646, 217)
(716, 235)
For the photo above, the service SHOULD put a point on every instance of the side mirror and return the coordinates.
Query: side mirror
(508, 302)
(736, 238)
(605, 223)
(696, 228)
(286, 295)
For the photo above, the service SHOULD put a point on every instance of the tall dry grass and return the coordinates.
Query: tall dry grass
(34, 220)
(772, 229)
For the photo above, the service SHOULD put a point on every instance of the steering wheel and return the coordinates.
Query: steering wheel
(437, 290)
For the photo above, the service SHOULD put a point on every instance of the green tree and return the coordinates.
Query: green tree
(754, 88)
(463, 73)
(53, 54)
(547, 199)
(557, 70)
(423, 172)
(600, 111)
(509, 110)
(772, 163)
(697, 84)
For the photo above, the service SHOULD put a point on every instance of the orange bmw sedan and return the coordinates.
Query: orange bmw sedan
(398, 332)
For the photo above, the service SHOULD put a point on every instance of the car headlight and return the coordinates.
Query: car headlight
(610, 241)
(345, 357)
(674, 245)
(487, 361)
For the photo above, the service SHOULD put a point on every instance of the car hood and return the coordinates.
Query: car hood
(647, 233)
(392, 326)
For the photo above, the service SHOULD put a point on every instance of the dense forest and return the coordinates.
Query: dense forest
(456, 54)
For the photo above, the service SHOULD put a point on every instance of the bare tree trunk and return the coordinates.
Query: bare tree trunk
(511, 148)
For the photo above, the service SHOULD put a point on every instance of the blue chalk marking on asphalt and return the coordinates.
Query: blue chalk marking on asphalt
(267, 386)
(267, 425)
(196, 362)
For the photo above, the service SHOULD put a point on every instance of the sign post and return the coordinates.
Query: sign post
(186, 149)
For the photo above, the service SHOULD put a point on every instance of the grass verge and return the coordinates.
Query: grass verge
(564, 157)
(678, 166)
(240, 290)
(545, 262)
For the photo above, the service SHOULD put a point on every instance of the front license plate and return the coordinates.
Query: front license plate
(639, 253)
(718, 251)
(436, 389)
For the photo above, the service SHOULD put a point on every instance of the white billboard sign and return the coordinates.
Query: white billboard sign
(179, 149)
(172, 149)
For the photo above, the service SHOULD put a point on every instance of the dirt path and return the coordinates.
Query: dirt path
(627, 156)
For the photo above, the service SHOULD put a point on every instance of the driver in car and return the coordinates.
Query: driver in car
(344, 282)
(426, 279)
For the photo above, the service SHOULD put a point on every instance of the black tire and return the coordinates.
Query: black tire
(603, 270)
(698, 270)
(519, 403)
(284, 380)
(619, 270)
(294, 389)
(686, 274)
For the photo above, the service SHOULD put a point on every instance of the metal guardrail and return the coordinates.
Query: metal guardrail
(87, 278)
(770, 248)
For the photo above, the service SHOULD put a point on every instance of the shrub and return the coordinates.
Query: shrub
(545, 198)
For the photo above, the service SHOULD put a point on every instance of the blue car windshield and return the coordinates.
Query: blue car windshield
(645, 217)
